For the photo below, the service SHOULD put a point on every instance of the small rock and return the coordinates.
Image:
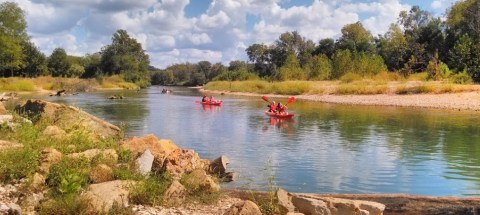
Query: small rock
(14, 209)
(175, 193)
(199, 180)
(285, 200)
(181, 161)
(144, 162)
(159, 148)
(9, 145)
(54, 132)
(243, 208)
(38, 181)
(49, 157)
(219, 166)
(109, 155)
(6, 118)
(3, 110)
(101, 173)
(230, 176)
(310, 206)
(101, 197)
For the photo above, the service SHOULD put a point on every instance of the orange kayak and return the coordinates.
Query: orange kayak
(290, 115)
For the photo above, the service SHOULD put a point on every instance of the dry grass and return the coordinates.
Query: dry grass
(361, 88)
(434, 88)
(262, 87)
(16, 84)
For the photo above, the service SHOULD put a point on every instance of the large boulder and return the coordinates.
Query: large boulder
(66, 118)
(101, 197)
(246, 207)
(182, 161)
(159, 148)
(310, 206)
(199, 180)
(219, 166)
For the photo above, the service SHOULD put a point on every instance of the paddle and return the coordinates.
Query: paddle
(265, 99)
(290, 100)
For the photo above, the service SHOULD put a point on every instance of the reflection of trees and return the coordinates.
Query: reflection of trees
(414, 135)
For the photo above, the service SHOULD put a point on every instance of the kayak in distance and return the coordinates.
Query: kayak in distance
(218, 102)
(286, 115)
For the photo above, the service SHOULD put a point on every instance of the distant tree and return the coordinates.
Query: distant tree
(292, 42)
(291, 69)
(320, 68)
(126, 56)
(75, 70)
(92, 65)
(260, 55)
(12, 33)
(58, 64)
(356, 38)
(11, 55)
(326, 47)
(393, 47)
(35, 61)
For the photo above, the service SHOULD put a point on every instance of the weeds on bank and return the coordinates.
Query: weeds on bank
(150, 191)
(435, 88)
(261, 87)
(16, 84)
(361, 88)
(196, 192)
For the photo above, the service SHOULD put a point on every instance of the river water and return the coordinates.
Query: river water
(326, 148)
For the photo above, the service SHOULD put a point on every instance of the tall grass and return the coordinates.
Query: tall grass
(261, 87)
(361, 88)
(434, 88)
(16, 84)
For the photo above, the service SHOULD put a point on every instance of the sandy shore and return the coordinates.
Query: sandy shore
(452, 101)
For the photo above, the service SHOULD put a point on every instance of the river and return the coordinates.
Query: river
(325, 148)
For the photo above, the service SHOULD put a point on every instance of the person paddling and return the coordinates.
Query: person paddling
(211, 99)
(204, 98)
(281, 109)
(272, 107)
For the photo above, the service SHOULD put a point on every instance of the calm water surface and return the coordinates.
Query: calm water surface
(326, 148)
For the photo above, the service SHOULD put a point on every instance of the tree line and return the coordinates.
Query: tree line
(443, 47)
(20, 57)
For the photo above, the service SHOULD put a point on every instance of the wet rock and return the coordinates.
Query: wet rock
(285, 200)
(159, 148)
(243, 208)
(144, 162)
(101, 173)
(101, 197)
(49, 157)
(181, 161)
(218, 166)
(67, 118)
(175, 193)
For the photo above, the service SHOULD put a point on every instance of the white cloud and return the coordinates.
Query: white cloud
(220, 34)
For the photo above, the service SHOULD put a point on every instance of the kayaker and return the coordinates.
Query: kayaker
(211, 99)
(281, 109)
(272, 107)
(204, 98)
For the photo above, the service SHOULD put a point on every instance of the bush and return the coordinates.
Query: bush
(15, 84)
(150, 191)
(350, 77)
(68, 176)
(422, 76)
(461, 78)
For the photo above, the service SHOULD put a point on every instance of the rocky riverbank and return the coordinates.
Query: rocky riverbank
(452, 101)
(61, 160)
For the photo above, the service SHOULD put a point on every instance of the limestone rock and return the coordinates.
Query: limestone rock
(285, 200)
(49, 157)
(230, 176)
(219, 166)
(54, 132)
(107, 154)
(144, 162)
(199, 180)
(9, 145)
(67, 117)
(243, 208)
(38, 181)
(338, 205)
(101, 173)
(101, 197)
(14, 209)
(159, 148)
(310, 206)
(175, 193)
(181, 161)
(3, 110)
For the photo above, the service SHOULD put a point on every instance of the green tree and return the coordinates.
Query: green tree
(291, 69)
(58, 64)
(75, 70)
(12, 19)
(260, 55)
(342, 63)
(356, 38)
(126, 56)
(35, 61)
(292, 42)
(320, 68)
(92, 65)
(11, 55)
(326, 47)
(393, 48)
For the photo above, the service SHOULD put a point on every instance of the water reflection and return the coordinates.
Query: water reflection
(325, 148)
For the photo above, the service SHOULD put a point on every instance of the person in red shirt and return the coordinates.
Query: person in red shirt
(272, 107)
(281, 109)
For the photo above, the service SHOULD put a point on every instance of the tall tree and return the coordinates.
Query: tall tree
(292, 42)
(58, 64)
(393, 48)
(325, 46)
(35, 61)
(12, 33)
(356, 38)
(126, 56)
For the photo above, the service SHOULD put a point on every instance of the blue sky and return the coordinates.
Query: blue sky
(177, 31)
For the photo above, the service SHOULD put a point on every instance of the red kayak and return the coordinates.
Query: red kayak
(218, 102)
(290, 115)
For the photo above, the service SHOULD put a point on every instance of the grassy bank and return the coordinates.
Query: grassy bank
(350, 87)
(58, 83)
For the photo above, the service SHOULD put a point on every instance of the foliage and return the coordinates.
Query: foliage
(65, 205)
(356, 38)
(17, 163)
(291, 70)
(361, 88)
(68, 176)
(58, 63)
(263, 87)
(350, 77)
(461, 78)
(15, 84)
(150, 191)
(320, 68)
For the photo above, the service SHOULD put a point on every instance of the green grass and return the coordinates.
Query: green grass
(361, 88)
(16, 84)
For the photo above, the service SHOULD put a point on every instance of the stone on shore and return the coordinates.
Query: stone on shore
(38, 181)
(49, 157)
(219, 166)
(199, 180)
(285, 200)
(310, 204)
(175, 193)
(67, 117)
(246, 207)
(101, 197)
(159, 148)
(144, 162)
(109, 155)
(54, 132)
(101, 173)
(181, 161)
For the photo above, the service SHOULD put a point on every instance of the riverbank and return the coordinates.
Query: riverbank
(453, 101)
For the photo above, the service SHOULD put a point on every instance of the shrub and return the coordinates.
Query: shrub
(422, 76)
(150, 191)
(68, 176)
(461, 78)
(350, 77)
